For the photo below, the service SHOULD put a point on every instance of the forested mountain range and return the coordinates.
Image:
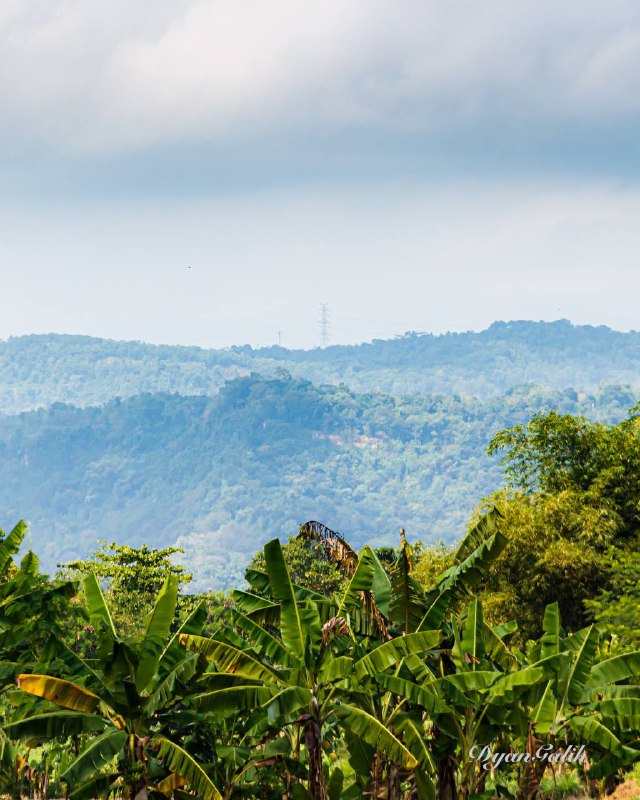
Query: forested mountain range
(36, 371)
(221, 474)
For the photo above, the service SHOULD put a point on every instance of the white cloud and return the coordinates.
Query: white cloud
(114, 75)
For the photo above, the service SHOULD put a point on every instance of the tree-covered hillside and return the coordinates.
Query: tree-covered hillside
(555, 355)
(222, 475)
(36, 371)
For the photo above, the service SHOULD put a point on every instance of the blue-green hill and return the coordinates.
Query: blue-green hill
(222, 474)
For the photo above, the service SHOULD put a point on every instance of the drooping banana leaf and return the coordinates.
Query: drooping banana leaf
(167, 785)
(335, 669)
(620, 713)
(497, 650)
(389, 653)
(285, 706)
(54, 723)
(266, 645)
(229, 658)
(96, 786)
(234, 699)
(70, 663)
(249, 603)
(610, 764)
(505, 629)
(412, 733)
(504, 688)
(614, 670)
(467, 682)
(260, 582)
(63, 693)
(591, 731)
(437, 605)
(178, 760)
(96, 755)
(421, 696)
(163, 691)
(374, 733)
(483, 530)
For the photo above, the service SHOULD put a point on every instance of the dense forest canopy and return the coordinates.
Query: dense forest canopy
(221, 475)
(80, 370)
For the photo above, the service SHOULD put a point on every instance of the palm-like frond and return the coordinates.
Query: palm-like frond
(337, 550)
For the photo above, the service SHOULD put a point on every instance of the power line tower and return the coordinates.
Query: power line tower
(324, 325)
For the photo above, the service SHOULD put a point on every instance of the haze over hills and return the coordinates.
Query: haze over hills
(38, 370)
(169, 445)
(222, 475)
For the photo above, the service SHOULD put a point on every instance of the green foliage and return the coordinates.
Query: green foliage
(571, 512)
(129, 702)
(32, 608)
(617, 605)
(557, 787)
(378, 689)
(220, 476)
(131, 577)
(308, 565)
(36, 371)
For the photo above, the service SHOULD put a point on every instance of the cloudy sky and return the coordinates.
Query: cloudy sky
(209, 172)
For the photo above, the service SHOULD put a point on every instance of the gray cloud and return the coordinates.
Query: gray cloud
(111, 78)
(424, 164)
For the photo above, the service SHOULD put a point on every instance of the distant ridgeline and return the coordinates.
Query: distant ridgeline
(220, 475)
(36, 371)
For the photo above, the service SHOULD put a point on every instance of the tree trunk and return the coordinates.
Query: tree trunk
(393, 781)
(313, 740)
(447, 779)
(529, 784)
(312, 727)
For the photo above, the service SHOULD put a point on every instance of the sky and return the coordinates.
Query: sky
(210, 172)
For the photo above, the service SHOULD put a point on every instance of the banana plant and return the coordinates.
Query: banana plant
(297, 686)
(470, 695)
(32, 607)
(587, 698)
(126, 704)
(403, 608)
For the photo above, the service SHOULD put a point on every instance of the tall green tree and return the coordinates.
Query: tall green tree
(131, 578)
(572, 495)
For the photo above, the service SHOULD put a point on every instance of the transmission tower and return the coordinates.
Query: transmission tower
(324, 325)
